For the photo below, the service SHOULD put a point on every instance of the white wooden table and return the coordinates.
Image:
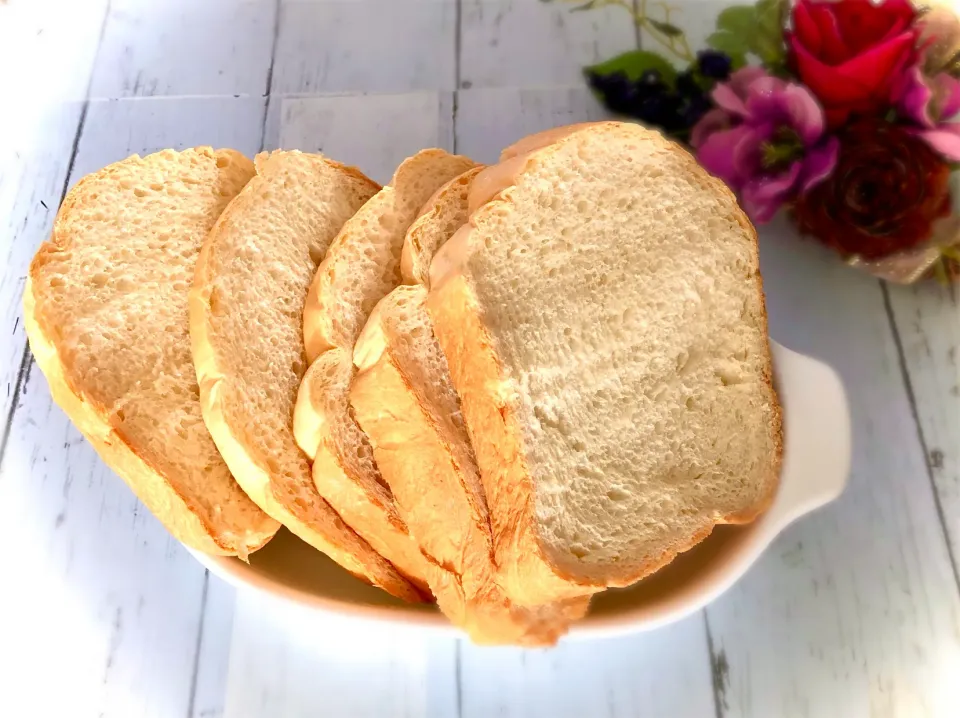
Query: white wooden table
(853, 612)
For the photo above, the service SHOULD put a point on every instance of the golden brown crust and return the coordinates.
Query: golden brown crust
(527, 574)
(310, 517)
(149, 479)
(444, 208)
(173, 510)
(370, 517)
(445, 512)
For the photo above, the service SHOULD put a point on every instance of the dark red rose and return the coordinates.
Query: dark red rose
(850, 53)
(887, 189)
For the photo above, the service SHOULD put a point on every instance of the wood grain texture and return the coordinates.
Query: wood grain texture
(184, 47)
(109, 603)
(116, 129)
(96, 593)
(527, 43)
(928, 324)
(212, 658)
(663, 674)
(374, 132)
(32, 177)
(365, 46)
(854, 611)
(296, 663)
(47, 51)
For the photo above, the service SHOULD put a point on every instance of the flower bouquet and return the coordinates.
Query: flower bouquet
(838, 111)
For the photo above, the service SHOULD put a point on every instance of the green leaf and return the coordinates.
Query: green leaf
(771, 15)
(635, 63)
(740, 20)
(768, 42)
(666, 28)
(769, 49)
(727, 42)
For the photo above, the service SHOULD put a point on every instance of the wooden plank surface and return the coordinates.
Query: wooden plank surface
(374, 132)
(292, 662)
(928, 323)
(490, 119)
(365, 46)
(106, 600)
(52, 50)
(184, 47)
(854, 611)
(528, 43)
(663, 674)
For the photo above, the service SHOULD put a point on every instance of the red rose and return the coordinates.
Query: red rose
(850, 53)
(883, 196)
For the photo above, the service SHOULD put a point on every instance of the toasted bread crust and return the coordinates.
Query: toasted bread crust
(98, 419)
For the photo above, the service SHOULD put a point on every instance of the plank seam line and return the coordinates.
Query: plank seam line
(23, 374)
(457, 71)
(191, 701)
(911, 398)
(716, 680)
(458, 674)
(26, 360)
(278, 8)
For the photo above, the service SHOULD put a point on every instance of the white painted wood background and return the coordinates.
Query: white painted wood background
(853, 612)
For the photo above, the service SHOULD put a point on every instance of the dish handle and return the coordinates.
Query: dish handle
(816, 436)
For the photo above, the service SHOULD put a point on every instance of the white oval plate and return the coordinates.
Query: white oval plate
(816, 463)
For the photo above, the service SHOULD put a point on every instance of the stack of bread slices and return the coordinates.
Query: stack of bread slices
(501, 388)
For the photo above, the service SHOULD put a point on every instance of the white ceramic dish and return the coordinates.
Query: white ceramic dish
(816, 463)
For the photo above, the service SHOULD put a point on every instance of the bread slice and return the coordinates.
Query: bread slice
(404, 400)
(443, 214)
(363, 263)
(105, 309)
(246, 314)
(642, 413)
(360, 268)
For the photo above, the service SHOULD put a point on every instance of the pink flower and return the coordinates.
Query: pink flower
(931, 103)
(765, 139)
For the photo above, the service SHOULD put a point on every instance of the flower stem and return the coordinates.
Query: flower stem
(676, 45)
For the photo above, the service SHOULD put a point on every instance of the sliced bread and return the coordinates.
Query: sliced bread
(363, 263)
(442, 215)
(404, 401)
(602, 315)
(246, 315)
(360, 268)
(105, 309)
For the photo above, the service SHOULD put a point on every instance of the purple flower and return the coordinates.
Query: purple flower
(930, 103)
(765, 139)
